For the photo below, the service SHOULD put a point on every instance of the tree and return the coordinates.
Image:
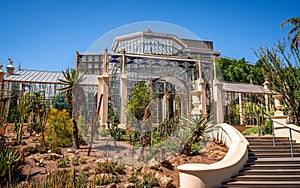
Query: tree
(295, 40)
(139, 99)
(281, 67)
(74, 96)
(236, 71)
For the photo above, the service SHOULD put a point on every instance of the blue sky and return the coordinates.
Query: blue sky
(45, 34)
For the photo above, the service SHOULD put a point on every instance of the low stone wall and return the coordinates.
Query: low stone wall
(212, 175)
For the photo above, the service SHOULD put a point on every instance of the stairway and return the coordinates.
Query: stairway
(268, 165)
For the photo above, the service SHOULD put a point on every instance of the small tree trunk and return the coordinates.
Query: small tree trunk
(75, 134)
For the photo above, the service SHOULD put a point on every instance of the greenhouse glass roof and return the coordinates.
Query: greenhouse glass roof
(46, 77)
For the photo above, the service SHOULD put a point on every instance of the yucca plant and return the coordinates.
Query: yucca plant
(197, 128)
(10, 162)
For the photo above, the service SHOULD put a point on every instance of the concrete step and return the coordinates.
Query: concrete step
(287, 160)
(270, 143)
(272, 166)
(268, 165)
(270, 155)
(245, 184)
(270, 172)
(260, 177)
(274, 149)
(249, 138)
(271, 147)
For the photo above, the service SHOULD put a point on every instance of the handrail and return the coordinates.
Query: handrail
(285, 126)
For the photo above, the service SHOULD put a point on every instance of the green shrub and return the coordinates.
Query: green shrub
(59, 128)
(133, 178)
(250, 131)
(62, 163)
(110, 168)
(65, 179)
(107, 179)
(148, 182)
(10, 162)
(268, 127)
(196, 146)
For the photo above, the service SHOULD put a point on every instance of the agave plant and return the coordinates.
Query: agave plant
(196, 128)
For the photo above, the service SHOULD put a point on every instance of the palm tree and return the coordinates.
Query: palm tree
(295, 30)
(74, 95)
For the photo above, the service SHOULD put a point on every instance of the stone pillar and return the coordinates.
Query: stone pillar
(165, 107)
(10, 68)
(199, 94)
(103, 88)
(267, 87)
(279, 118)
(217, 93)
(123, 93)
(241, 104)
(218, 102)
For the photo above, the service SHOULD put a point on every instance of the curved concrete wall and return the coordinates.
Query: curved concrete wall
(212, 175)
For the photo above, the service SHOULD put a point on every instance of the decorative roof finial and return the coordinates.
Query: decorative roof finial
(10, 61)
(149, 30)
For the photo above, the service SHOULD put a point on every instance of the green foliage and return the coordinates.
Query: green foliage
(139, 99)
(58, 102)
(10, 162)
(133, 178)
(59, 131)
(107, 179)
(60, 179)
(295, 22)
(104, 133)
(256, 73)
(252, 130)
(196, 129)
(75, 97)
(62, 163)
(23, 108)
(196, 146)
(267, 129)
(282, 68)
(110, 168)
(115, 132)
(234, 70)
(82, 126)
(148, 182)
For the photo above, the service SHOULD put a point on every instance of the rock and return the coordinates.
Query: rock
(71, 150)
(91, 178)
(24, 184)
(88, 159)
(70, 156)
(52, 156)
(153, 162)
(92, 171)
(157, 175)
(165, 181)
(100, 160)
(129, 185)
(85, 168)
